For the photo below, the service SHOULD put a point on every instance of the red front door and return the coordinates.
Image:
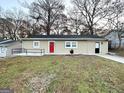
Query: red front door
(51, 47)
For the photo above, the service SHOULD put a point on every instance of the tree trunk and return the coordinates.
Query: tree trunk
(91, 30)
(3, 35)
(48, 25)
(119, 45)
(48, 30)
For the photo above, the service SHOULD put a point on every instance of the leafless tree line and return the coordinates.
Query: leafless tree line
(48, 17)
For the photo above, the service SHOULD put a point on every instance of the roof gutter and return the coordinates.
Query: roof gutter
(5, 41)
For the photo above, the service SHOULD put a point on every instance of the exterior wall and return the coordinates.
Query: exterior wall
(29, 46)
(104, 47)
(13, 46)
(84, 47)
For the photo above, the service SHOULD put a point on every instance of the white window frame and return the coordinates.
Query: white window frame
(97, 45)
(71, 44)
(66, 44)
(36, 42)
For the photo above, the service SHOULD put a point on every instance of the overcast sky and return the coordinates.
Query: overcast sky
(8, 4)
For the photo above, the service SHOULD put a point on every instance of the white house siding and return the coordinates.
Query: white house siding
(29, 46)
(9, 47)
(104, 47)
(3, 51)
(13, 46)
(84, 47)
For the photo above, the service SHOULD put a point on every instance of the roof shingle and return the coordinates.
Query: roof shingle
(66, 36)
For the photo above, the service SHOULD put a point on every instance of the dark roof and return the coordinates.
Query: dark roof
(1, 40)
(7, 41)
(65, 36)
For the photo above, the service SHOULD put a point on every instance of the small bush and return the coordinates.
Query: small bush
(71, 51)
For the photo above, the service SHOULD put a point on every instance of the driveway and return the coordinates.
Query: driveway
(113, 57)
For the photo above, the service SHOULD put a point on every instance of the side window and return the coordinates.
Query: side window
(67, 44)
(74, 44)
(36, 44)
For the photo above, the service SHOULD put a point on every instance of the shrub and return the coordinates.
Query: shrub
(71, 51)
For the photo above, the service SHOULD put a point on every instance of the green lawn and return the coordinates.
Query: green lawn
(62, 74)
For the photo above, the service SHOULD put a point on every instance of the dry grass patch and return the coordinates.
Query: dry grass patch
(119, 52)
(62, 74)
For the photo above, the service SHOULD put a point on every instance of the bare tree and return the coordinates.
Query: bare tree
(93, 11)
(29, 28)
(116, 19)
(16, 18)
(59, 24)
(120, 33)
(0, 12)
(75, 21)
(66, 31)
(2, 27)
(46, 12)
(5, 26)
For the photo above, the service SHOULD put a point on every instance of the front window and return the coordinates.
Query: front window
(74, 45)
(70, 44)
(36, 44)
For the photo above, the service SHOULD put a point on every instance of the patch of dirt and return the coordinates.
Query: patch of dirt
(40, 83)
(34, 83)
(19, 82)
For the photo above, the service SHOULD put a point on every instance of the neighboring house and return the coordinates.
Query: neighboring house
(62, 44)
(6, 47)
(113, 39)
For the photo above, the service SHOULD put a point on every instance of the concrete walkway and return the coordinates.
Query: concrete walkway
(113, 57)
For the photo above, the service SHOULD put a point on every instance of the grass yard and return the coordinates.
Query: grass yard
(119, 52)
(62, 74)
